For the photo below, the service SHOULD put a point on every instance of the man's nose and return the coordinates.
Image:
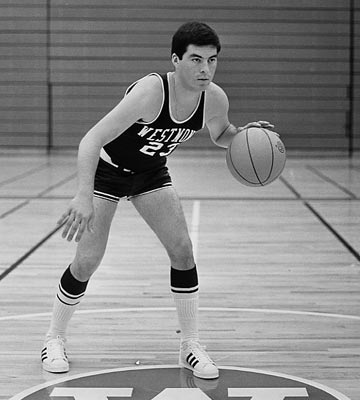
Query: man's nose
(205, 67)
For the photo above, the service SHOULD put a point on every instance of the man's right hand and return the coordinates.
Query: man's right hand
(78, 217)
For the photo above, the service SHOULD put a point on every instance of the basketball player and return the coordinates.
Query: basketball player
(124, 155)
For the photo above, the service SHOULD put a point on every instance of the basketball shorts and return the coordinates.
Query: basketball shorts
(113, 183)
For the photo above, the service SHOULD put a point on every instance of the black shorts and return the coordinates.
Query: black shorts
(113, 183)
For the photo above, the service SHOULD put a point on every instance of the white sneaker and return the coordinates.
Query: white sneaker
(53, 356)
(194, 357)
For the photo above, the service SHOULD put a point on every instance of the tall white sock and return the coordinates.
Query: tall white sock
(69, 294)
(187, 307)
(185, 290)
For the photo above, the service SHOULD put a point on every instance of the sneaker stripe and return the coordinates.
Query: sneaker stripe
(53, 356)
(192, 360)
(195, 363)
(188, 357)
(194, 357)
(44, 354)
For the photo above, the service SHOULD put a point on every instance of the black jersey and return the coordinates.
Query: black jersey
(145, 145)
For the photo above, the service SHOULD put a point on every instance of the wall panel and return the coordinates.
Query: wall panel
(284, 61)
(356, 117)
(287, 63)
(23, 72)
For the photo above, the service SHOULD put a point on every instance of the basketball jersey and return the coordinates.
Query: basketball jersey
(145, 145)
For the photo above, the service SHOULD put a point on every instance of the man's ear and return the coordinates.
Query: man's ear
(174, 59)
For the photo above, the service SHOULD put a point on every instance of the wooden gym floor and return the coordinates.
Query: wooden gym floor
(279, 271)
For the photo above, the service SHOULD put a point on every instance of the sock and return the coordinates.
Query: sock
(70, 292)
(185, 290)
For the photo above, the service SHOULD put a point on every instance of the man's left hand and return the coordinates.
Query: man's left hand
(258, 124)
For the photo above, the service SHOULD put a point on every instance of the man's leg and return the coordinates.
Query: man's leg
(163, 213)
(72, 285)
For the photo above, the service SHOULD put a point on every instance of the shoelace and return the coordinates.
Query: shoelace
(199, 352)
(56, 348)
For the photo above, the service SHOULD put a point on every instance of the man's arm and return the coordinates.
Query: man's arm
(220, 129)
(138, 104)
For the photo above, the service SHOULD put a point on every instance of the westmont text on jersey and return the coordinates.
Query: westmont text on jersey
(174, 135)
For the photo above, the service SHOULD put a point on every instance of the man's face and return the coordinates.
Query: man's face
(197, 67)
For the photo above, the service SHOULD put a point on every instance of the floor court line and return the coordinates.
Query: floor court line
(45, 238)
(291, 188)
(333, 231)
(23, 175)
(322, 220)
(16, 208)
(171, 309)
(29, 252)
(27, 199)
(331, 181)
(58, 184)
(58, 381)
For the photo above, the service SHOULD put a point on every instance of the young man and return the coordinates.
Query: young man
(124, 155)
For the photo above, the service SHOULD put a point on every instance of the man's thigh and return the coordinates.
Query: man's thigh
(163, 212)
(92, 244)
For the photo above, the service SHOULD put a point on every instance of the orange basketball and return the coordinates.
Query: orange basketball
(256, 157)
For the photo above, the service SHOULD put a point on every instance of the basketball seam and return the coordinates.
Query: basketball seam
(233, 165)
(272, 156)
(251, 159)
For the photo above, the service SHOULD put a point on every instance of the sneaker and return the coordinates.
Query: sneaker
(194, 357)
(53, 356)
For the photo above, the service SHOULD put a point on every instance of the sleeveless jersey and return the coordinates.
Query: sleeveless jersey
(145, 145)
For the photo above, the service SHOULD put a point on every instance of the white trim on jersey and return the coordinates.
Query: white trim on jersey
(192, 114)
(105, 156)
(163, 97)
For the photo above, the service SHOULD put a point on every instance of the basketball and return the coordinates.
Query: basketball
(256, 156)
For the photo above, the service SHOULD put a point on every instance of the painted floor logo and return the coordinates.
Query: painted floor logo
(174, 383)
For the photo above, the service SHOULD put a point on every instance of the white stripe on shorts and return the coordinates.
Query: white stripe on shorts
(106, 196)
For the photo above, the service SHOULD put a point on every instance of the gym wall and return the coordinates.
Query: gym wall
(65, 64)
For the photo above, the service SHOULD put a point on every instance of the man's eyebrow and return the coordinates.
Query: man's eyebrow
(198, 56)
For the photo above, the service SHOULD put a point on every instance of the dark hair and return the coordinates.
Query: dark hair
(196, 33)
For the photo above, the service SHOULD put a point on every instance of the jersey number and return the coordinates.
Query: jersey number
(153, 147)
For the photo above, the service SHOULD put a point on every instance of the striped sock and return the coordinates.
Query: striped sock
(185, 290)
(70, 292)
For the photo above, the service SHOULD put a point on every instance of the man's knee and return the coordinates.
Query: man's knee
(84, 266)
(181, 254)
